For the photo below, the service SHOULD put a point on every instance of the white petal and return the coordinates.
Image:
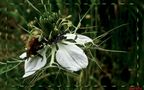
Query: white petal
(24, 55)
(28, 74)
(70, 36)
(34, 63)
(71, 57)
(80, 39)
(43, 51)
(68, 42)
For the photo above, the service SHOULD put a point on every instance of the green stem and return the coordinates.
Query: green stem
(53, 54)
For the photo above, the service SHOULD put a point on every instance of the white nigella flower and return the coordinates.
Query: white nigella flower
(32, 64)
(69, 55)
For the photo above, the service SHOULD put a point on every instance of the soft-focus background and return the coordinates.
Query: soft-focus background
(125, 19)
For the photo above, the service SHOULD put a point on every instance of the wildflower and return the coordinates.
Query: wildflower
(62, 42)
(69, 55)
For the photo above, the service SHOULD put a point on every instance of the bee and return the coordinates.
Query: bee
(33, 43)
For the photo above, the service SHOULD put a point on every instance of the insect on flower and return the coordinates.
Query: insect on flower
(34, 43)
(35, 52)
(32, 46)
(62, 42)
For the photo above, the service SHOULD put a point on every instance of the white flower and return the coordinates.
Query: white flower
(70, 56)
(32, 64)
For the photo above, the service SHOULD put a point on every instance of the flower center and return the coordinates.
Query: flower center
(56, 39)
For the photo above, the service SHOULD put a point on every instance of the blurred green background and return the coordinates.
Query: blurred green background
(119, 70)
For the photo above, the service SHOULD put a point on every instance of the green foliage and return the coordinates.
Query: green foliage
(105, 68)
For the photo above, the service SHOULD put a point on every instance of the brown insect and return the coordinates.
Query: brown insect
(33, 45)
